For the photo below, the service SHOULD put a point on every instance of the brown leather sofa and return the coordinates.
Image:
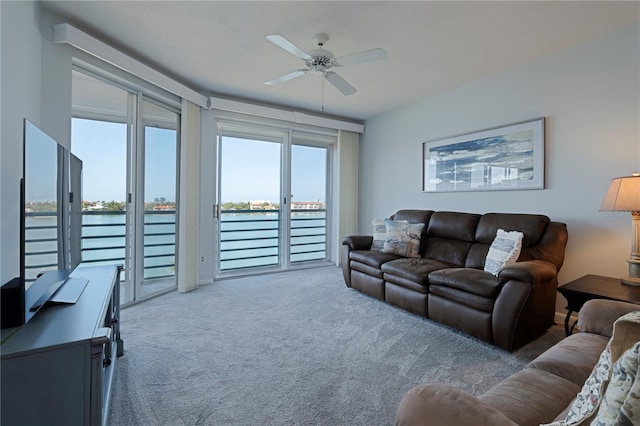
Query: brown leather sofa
(448, 284)
(540, 393)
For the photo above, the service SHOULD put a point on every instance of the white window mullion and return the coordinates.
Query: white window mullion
(285, 203)
(132, 129)
(138, 198)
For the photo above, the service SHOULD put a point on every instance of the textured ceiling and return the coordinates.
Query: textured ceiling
(219, 47)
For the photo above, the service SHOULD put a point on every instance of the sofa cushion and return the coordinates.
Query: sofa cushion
(379, 234)
(453, 225)
(374, 259)
(531, 225)
(449, 236)
(468, 280)
(413, 269)
(462, 297)
(572, 358)
(413, 216)
(504, 250)
(531, 396)
(403, 238)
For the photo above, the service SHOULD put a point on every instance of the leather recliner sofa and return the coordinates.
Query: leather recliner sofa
(448, 283)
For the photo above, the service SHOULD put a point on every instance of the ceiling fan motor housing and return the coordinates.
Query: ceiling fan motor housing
(320, 60)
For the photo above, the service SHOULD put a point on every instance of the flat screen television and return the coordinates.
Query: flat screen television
(50, 217)
(52, 208)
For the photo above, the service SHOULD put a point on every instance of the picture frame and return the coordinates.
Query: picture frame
(509, 157)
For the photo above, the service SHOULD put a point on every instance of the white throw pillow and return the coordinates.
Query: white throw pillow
(504, 250)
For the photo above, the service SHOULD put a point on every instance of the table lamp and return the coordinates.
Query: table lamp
(624, 196)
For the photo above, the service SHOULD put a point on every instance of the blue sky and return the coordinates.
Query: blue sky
(250, 170)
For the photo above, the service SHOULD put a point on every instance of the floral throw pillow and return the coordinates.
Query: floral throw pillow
(621, 400)
(505, 250)
(403, 238)
(612, 386)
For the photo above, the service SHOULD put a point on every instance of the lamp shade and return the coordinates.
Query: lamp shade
(623, 194)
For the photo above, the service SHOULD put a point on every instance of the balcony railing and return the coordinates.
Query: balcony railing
(249, 238)
(103, 241)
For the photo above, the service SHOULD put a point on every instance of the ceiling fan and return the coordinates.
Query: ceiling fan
(320, 61)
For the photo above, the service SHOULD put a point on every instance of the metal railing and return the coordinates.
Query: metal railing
(249, 238)
(103, 241)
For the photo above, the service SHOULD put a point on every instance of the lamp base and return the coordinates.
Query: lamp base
(634, 270)
(634, 281)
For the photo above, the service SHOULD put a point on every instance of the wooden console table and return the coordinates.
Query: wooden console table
(579, 291)
(57, 369)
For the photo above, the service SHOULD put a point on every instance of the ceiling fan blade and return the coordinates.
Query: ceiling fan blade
(360, 57)
(286, 77)
(340, 83)
(285, 44)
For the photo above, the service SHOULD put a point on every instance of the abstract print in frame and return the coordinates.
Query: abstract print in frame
(503, 158)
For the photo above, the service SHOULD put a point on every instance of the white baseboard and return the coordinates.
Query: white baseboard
(560, 316)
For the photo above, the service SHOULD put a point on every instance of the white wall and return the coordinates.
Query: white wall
(590, 96)
(35, 76)
(20, 99)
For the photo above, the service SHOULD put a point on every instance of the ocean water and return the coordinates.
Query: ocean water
(247, 240)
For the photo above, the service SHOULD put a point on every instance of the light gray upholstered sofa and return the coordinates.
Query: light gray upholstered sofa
(541, 393)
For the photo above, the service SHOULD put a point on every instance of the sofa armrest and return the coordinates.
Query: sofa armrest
(531, 271)
(352, 242)
(526, 304)
(358, 242)
(441, 404)
(598, 315)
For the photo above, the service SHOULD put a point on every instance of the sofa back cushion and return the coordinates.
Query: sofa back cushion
(450, 236)
(463, 239)
(532, 226)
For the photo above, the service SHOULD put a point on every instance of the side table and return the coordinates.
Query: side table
(588, 287)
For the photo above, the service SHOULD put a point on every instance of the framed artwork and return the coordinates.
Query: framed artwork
(503, 158)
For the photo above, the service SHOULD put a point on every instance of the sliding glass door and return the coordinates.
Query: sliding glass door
(128, 145)
(249, 202)
(309, 170)
(157, 189)
(272, 193)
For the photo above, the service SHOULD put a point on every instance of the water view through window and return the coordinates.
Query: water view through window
(252, 226)
(253, 232)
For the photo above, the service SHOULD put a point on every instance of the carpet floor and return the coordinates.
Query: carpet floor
(293, 348)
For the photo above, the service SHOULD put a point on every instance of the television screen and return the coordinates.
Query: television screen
(52, 209)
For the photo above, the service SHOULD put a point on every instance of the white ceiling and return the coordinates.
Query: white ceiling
(219, 48)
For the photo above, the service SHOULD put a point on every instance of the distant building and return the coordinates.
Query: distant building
(307, 205)
(96, 206)
(261, 205)
(164, 208)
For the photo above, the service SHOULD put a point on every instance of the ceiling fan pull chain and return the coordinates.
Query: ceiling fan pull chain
(322, 105)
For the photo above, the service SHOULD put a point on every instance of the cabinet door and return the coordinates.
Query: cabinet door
(48, 387)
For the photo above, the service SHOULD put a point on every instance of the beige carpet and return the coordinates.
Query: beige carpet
(296, 348)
